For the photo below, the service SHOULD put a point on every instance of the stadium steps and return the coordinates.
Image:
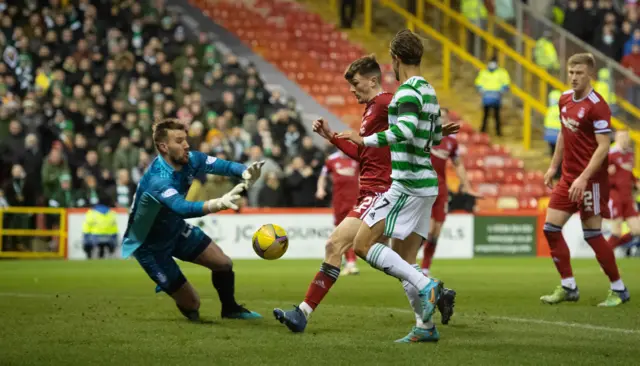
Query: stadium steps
(462, 97)
(313, 53)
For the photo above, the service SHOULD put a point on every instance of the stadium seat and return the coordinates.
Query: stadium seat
(507, 203)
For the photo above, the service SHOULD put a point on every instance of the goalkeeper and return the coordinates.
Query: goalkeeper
(156, 231)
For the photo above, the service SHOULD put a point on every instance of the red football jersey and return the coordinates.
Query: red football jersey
(448, 149)
(375, 162)
(581, 121)
(344, 174)
(623, 180)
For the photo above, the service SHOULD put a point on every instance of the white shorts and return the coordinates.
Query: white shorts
(404, 214)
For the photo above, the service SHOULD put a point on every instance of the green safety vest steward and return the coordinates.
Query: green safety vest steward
(473, 9)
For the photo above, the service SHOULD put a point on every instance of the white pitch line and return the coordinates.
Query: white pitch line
(389, 309)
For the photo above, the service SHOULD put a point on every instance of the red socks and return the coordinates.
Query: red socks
(350, 255)
(559, 250)
(428, 251)
(321, 284)
(604, 253)
(614, 241)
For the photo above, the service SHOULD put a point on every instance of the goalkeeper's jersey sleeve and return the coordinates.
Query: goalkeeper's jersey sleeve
(159, 206)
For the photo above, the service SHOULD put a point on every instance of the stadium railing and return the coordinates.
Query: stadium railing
(531, 91)
(530, 26)
(60, 233)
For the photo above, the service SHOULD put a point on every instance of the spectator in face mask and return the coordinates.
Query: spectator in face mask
(606, 43)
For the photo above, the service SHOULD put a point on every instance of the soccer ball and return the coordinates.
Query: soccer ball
(270, 241)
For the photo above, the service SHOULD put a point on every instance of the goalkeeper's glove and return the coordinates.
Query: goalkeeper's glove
(252, 173)
(229, 199)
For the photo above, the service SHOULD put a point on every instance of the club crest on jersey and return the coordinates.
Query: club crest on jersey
(570, 124)
(190, 178)
(581, 113)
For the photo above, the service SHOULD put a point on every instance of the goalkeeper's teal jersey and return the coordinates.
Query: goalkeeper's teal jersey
(159, 207)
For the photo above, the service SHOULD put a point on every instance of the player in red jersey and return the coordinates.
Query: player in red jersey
(364, 75)
(582, 148)
(447, 150)
(621, 182)
(344, 175)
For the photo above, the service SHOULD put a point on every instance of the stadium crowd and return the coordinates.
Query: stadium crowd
(81, 83)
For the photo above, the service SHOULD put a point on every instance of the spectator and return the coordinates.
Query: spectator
(301, 183)
(18, 191)
(605, 42)
(272, 193)
(574, 20)
(52, 169)
(122, 192)
(126, 155)
(632, 62)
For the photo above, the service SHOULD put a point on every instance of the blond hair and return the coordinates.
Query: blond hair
(582, 59)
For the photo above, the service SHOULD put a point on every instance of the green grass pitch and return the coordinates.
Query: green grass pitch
(106, 313)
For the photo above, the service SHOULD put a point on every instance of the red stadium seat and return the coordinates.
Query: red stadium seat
(510, 190)
(514, 177)
(494, 175)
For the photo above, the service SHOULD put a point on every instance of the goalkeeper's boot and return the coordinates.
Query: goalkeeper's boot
(615, 298)
(294, 319)
(420, 335)
(240, 312)
(561, 294)
(446, 304)
(429, 297)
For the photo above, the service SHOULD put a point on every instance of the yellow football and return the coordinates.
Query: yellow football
(270, 241)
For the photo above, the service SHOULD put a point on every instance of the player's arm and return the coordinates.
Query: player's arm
(169, 196)
(556, 160)
(409, 106)
(599, 156)
(601, 128)
(347, 147)
(212, 165)
(321, 190)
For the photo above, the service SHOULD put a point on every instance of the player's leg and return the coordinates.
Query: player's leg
(350, 267)
(422, 331)
(615, 209)
(397, 215)
(340, 240)
(616, 231)
(164, 271)
(560, 210)
(591, 226)
(196, 247)
(627, 210)
(430, 245)
(568, 289)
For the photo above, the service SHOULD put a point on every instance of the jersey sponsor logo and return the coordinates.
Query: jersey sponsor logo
(600, 124)
(570, 124)
(169, 192)
(211, 159)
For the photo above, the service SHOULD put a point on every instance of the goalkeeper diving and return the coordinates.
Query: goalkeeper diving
(156, 231)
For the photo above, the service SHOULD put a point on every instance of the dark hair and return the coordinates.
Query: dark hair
(365, 66)
(407, 47)
(161, 128)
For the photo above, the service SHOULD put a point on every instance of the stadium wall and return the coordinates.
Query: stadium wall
(463, 236)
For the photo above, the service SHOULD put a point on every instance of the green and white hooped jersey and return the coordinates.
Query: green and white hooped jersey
(414, 126)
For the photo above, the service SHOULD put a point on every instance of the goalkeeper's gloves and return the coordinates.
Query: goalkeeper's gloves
(229, 200)
(252, 173)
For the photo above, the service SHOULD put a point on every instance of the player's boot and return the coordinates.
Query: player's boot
(349, 269)
(293, 319)
(240, 312)
(420, 335)
(615, 298)
(446, 304)
(561, 294)
(429, 296)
